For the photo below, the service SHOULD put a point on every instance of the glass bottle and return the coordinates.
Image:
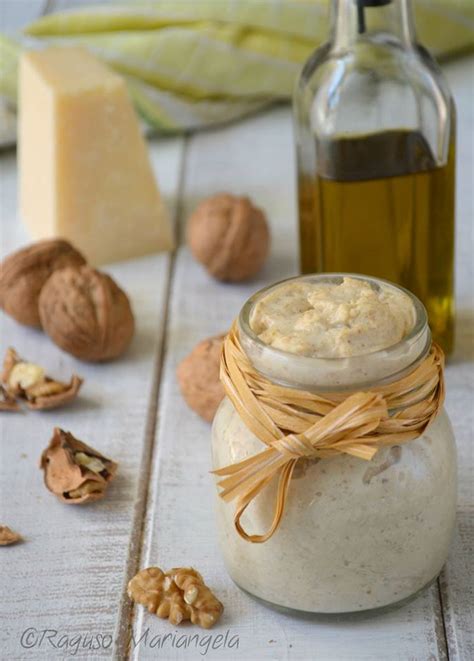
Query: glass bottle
(375, 140)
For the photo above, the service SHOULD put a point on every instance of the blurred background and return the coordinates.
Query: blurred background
(192, 64)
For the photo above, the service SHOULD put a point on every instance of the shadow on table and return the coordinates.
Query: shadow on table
(353, 618)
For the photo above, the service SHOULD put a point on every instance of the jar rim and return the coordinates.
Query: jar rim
(419, 335)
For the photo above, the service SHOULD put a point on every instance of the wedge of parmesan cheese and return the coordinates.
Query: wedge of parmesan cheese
(85, 174)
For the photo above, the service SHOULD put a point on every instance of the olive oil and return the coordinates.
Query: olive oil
(375, 145)
(379, 205)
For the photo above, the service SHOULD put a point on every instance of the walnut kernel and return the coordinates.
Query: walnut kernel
(156, 591)
(206, 609)
(24, 376)
(179, 594)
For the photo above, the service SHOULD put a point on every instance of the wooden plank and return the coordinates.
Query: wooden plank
(256, 158)
(457, 579)
(70, 573)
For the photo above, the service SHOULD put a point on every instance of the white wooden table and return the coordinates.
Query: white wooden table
(70, 574)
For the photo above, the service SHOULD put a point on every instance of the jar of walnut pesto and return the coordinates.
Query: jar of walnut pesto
(355, 535)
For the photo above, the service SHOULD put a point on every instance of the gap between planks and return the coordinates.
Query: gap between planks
(440, 622)
(122, 637)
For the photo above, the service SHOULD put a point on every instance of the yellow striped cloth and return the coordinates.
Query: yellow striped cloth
(195, 63)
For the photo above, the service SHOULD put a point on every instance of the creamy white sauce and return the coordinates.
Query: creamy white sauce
(328, 320)
(355, 535)
(348, 541)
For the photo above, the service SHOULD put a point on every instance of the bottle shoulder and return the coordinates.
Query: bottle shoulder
(376, 61)
(375, 87)
(432, 67)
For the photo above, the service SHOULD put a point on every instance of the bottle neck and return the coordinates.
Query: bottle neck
(361, 20)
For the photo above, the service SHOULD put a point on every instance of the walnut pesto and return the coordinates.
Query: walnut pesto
(356, 535)
(332, 320)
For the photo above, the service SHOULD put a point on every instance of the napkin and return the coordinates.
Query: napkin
(192, 64)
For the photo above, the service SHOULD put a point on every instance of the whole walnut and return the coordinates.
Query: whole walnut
(198, 377)
(23, 274)
(85, 313)
(229, 236)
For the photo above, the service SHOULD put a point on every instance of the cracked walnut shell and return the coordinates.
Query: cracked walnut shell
(7, 401)
(86, 314)
(75, 472)
(23, 274)
(229, 236)
(198, 377)
(28, 381)
(180, 594)
(9, 536)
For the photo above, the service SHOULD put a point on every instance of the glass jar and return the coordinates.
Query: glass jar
(355, 535)
(375, 144)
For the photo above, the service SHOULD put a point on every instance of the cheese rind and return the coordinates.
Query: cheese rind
(85, 174)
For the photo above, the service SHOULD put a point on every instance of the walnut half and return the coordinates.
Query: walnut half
(28, 382)
(179, 594)
(206, 609)
(75, 472)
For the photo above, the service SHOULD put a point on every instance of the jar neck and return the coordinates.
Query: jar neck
(354, 21)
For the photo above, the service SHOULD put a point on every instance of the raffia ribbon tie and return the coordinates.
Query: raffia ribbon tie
(296, 424)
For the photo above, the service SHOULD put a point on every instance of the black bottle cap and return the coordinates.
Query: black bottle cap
(361, 5)
(373, 3)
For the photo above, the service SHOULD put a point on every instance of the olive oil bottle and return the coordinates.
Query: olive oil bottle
(375, 131)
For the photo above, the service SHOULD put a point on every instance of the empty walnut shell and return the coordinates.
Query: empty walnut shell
(198, 377)
(23, 274)
(73, 471)
(229, 236)
(86, 313)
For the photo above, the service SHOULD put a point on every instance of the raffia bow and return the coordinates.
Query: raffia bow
(295, 424)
